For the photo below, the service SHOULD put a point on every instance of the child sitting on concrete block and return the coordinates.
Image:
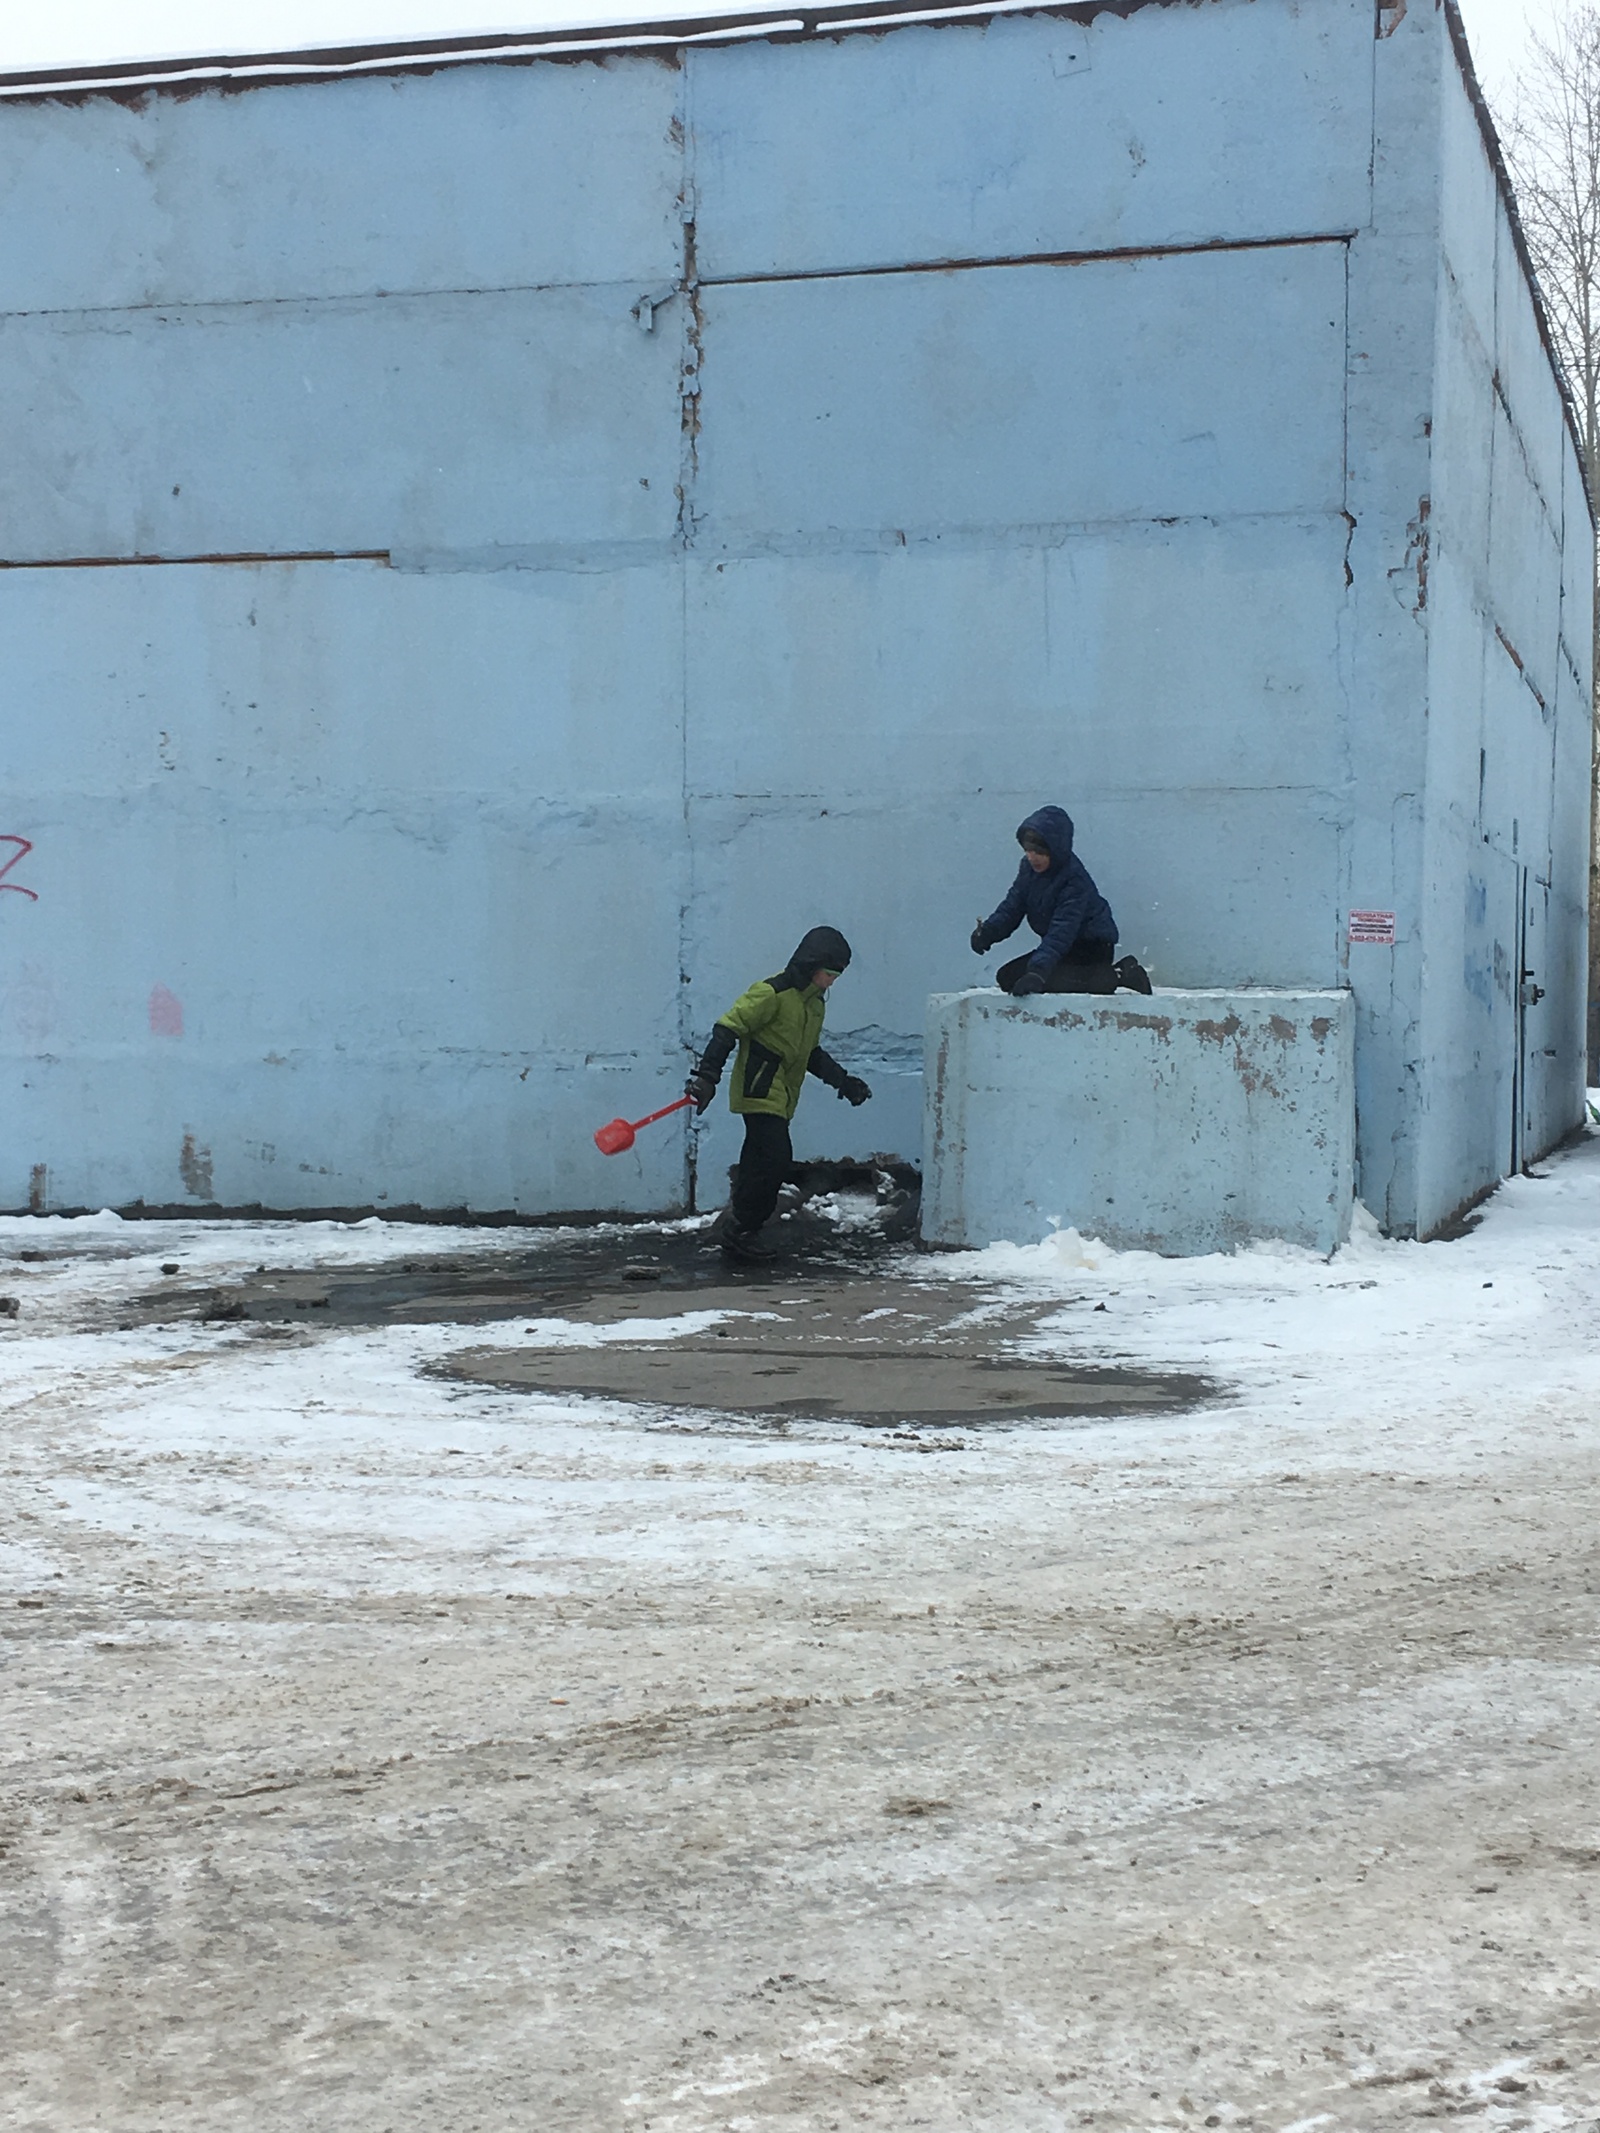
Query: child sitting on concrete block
(1055, 893)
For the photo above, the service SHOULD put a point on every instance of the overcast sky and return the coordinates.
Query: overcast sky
(50, 33)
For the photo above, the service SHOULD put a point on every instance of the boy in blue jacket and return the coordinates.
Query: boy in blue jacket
(1055, 893)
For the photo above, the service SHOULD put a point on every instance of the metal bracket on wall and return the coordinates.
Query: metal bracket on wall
(644, 311)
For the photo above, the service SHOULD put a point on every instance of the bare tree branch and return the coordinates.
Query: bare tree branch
(1552, 144)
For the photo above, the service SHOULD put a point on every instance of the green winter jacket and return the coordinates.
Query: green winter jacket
(777, 1033)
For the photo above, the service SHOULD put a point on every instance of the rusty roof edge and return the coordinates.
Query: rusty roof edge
(1508, 196)
(242, 70)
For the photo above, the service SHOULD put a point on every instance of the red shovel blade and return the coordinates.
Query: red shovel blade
(613, 1139)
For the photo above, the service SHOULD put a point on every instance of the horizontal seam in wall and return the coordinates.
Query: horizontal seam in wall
(146, 562)
(1033, 259)
(362, 298)
(711, 550)
(350, 299)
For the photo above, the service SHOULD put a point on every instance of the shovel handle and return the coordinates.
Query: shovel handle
(666, 1111)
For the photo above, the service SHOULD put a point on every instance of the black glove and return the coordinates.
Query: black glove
(854, 1090)
(707, 1069)
(1030, 981)
(980, 939)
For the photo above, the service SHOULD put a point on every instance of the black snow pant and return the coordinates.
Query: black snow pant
(763, 1165)
(1087, 966)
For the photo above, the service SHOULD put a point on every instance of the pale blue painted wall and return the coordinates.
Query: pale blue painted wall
(1509, 637)
(783, 611)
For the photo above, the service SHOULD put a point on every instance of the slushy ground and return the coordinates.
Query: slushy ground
(401, 1730)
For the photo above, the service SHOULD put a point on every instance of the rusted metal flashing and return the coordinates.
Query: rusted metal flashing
(1508, 198)
(1030, 259)
(1418, 546)
(1516, 660)
(146, 562)
(667, 41)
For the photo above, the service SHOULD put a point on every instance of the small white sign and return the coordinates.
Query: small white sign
(1376, 928)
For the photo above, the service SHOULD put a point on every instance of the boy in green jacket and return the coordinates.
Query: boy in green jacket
(775, 1024)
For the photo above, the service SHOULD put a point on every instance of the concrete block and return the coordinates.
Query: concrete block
(1187, 1122)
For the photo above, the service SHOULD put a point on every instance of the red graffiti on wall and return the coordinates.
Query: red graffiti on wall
(23, 848)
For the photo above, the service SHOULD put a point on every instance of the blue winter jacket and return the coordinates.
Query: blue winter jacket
(1062, 905)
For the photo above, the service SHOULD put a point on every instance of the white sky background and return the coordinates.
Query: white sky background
(51, 33)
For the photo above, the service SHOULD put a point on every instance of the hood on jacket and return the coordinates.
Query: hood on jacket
(1053, 827)
(823, 948)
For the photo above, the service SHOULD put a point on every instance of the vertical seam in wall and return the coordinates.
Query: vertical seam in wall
(1513, 1128)
(688, 340)
(1347, 620)
(1351, 622)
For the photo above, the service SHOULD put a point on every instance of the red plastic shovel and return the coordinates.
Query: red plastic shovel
(613, 1139)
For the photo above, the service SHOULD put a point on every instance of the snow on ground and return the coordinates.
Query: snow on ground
(1386, 1333)
(385, 1752)
(99, 1257)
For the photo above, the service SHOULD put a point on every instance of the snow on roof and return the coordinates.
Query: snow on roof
(136, 78)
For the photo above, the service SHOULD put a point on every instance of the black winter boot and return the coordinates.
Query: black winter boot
(747, 1246)
(1131, 974)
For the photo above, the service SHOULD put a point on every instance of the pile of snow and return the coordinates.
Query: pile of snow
(1384, 1328)
(847, 1210)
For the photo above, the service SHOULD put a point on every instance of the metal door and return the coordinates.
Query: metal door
(1539, 1122)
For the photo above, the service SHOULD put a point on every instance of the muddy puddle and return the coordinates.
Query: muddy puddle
(851, 1325)
(879, 1349)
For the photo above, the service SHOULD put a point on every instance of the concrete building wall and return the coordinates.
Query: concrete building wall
(361, 865)
(602, 518)
(1508, 616)
(1379, 806)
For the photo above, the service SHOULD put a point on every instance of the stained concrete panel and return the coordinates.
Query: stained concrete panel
(1468, 1020)
(332, 1128)
(1467, 202)
(961, 141)
(374, 835)
(1226, 888)
(1524, 559)
(481, 178)
(471, 423)
(345, 683)
(1186, 1122)
(1023, 396)
(1177, 658)
(1462, 478)
(1518, 744)
(1526, 384)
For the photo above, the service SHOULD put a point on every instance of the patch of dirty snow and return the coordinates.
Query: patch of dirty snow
(1385, 1328)
(847, 1210)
